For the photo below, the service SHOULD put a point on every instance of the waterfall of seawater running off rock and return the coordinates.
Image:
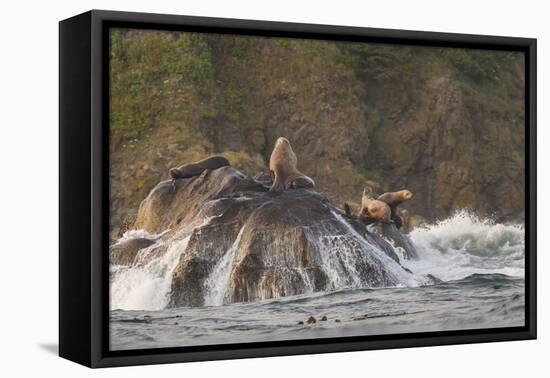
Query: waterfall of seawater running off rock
(147, 285)
(343, 250)
(218, 281)
(452, 249)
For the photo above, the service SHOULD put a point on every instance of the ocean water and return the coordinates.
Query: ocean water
(480, 264)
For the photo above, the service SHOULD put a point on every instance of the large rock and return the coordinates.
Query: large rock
(235, 242)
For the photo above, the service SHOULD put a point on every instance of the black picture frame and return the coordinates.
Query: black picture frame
(83, 195)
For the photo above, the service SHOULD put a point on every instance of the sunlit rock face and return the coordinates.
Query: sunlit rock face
(222, 237)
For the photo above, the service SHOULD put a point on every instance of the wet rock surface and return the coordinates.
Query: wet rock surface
(390, 232)
(124, 252)
(234, 241)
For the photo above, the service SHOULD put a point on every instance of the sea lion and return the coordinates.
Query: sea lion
(195, 169)
(374, 209)
(393, 199)
(283, 168)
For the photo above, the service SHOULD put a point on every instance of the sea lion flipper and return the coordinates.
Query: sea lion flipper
(367, 219)
(397, 220)
(347, 208)
(278, 184)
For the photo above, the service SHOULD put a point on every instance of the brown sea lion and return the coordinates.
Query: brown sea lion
(195, 169)
(393, 199)
(283, 168)
(373, 208)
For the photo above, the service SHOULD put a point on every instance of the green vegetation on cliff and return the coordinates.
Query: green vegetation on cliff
(445, 123)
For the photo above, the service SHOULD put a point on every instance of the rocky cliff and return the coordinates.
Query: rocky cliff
(448, 124)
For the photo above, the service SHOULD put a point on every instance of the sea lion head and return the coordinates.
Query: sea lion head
(282, 142)
(406, 195)
(283, 149)
(379, 211)
(175, 173)
(367, 191)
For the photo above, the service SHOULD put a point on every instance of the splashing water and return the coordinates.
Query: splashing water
(146, 287)
(218, 281)
(140, 234)
(403, 277)
(465, 244)
(451, 249)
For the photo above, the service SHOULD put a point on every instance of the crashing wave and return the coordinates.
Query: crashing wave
(465, 244)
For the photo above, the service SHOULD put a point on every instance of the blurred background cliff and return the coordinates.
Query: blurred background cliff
(447, 124)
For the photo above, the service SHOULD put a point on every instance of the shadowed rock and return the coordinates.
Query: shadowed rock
(399, 240)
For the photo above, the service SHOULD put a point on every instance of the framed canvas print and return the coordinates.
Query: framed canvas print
(233, 188)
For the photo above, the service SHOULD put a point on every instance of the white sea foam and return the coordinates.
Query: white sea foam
(140, 234)
(464, 244)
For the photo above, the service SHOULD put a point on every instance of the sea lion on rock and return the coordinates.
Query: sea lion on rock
(393, 199)
(283, 168)
(372, 208)
(195, 169)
